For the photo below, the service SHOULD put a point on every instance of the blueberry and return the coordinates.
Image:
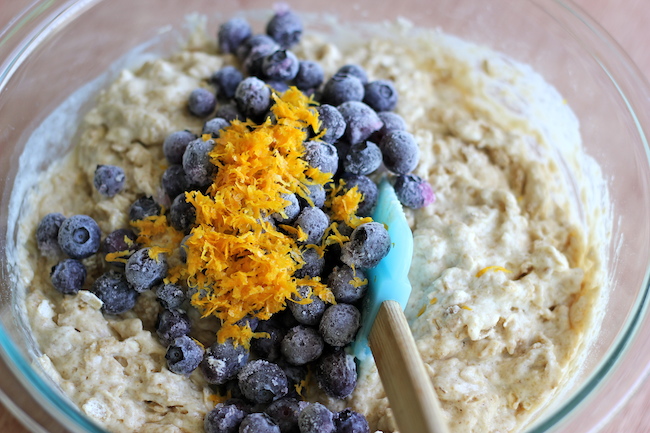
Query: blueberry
(391, 122)
(201, 102)
(225, 80)
(380, 95)
(120, 240)
(253, 97)
(222, 362)
(332, 122)
(114, 291)
(401, 152)
(369, 243)
(252, 64)
(262, 381)
(342, 88)
(183, 355)
(170, 295)
(310, 75)
(313, 221)
(296, 374)
(349, 421)
(285, 28)
(309, 313)
(313, 266)
(47, 233)
(174, 181)
(278, 86)
(342, 148)
(336, 374)
(143, 271)
(413, 191)
(362, 158)
(196, 162)
(224, 418)
(109, 180)
(268, 348)
(316, 418)
(214, 126)
(228, 112)
(354, 70)
(301, 345)
(143, 208)
(256, 43)
(79, 236)
(340, 283)
(339, 324)
(232, 33)
(281, 65)
(361, 121)
(291, 210)
(317, 195)
(172, 324)
(182, 214)
(175, 144)
(258, 423)
(284, 413)
(366, 187)
(250, 321)
(68, 276)
(321, 155)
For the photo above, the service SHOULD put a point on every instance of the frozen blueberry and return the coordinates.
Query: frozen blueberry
(228, 111)
(366, 187)
(269, 347)
(174, 181)
(114, 291)
(349, 421)
(183, 355)
(380, 95)
(341, 283)
(258, 423)
(296, 374)
(79, 236)
(321, 155)
(362, 158)
(253, 62)
(222, 362)
(68, 276)
(284, 413)
(143, 271)
(336, 374)
(262, 381)
(170, 295)
(120, 240)
(181, 214)
(413, 191)
(332, 122)
(313, 221)
(339, 324)
(143, 208)
(285, 28)
(253, 97)
(109, 180)
(361, 121)
(342, 88)
(201, 102)
(47, 233)
(196, 162)
(401, 152)
(301, 345)
(175, 144)
(291, 210)
(316, 418)
(226, 80)
(316, 193)
(313, 266)
(310, 75)
(172, 324)
(214, 126)
(224, 418)
(254, 43)
(232, 33)
(391, 122)
(281, 65)
(369, 243)
(354, 70)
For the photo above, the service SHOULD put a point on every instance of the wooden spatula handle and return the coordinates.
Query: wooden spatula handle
(412, 398)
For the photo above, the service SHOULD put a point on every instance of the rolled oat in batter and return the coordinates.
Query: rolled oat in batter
(505, 276)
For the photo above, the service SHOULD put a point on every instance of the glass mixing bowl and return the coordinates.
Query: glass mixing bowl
(50, 48)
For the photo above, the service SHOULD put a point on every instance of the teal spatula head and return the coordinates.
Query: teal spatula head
(389, 279)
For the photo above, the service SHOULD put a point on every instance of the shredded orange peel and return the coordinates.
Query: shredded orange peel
(492, 268)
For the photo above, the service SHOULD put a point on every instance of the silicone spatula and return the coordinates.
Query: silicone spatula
(385, 331)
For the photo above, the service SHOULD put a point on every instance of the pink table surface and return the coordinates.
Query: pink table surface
(627, 21)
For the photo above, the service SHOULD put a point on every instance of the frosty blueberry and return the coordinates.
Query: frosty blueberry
(310, 75)
(254, 43)
(369, 243)
(68, 276)
(268, 348)
(401, 152)
(366, 187)
(228, 112)
(224, 418)
(391, 122)
(313, 221)
(301, 345)
(115, 292)
(354, 70)
(196, 162)
(253, 97)
(332, 122)
(313, 266)
(413, 191)
(339, 324)
(172, 324)
(174, 181)
(47, 233)
(362, 158)
(316, 194)
(143, 208)
(201, 102)
(109, 180)
(232, 33)
(361, 121)
(79, 236)
(284, 413)
(170, 295)
(258, 423)
(291, 210)
(119, 240)
(309, 313)
(321, 155)
(144, 271)
(226, 80)
(336, 374)
(349, 421)
(262, 381)
(181, 214)
(222, 362)
(380, 95)
(316, 418)
(342, 88)
(183, 355)
(285, 28)
(340, 282)
(214, 126)
(175, 144)
(281, 65)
